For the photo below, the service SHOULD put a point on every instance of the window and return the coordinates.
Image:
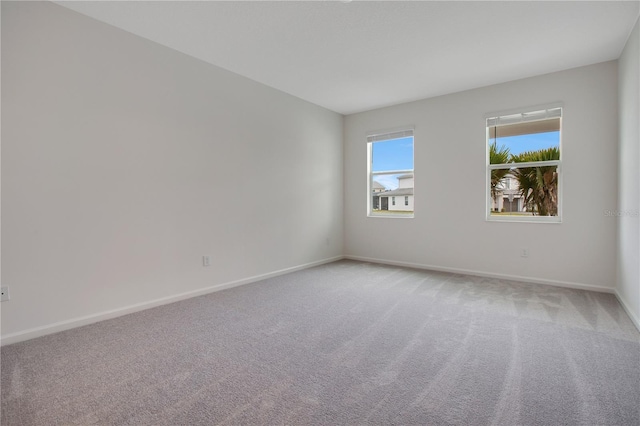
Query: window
(390, 173)
(524, 166)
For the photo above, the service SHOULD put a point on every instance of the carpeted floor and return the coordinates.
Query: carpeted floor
(343, 343)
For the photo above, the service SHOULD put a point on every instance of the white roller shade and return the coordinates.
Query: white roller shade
(526, 123)
(377, 137)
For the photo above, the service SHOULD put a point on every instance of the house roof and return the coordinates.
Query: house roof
(378, 185)
(396, 192)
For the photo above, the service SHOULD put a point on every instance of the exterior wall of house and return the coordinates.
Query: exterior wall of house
(503, 203)
(399, 206)
(509, 186)
(405, 182)
(408, 207)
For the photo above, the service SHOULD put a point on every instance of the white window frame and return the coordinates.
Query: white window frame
(526, 114)
(381, 136)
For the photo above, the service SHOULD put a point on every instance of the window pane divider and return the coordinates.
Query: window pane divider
(392, 172)
(523, 165)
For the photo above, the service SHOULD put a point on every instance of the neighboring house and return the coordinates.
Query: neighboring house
(508, 198)
(400, 199)
(378, 187)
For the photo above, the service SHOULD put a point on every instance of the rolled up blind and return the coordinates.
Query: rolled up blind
(390, 135)
(527, 123)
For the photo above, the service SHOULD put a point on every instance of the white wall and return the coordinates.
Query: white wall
(116, 154)
(449, 230)
(628, 282)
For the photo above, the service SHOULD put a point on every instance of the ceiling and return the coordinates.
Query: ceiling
(356, 56)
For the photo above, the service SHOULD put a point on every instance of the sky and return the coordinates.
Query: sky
(532, 142)
(395, 154)
(388, 181)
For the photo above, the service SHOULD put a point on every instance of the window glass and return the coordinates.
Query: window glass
(390, 174)
(524, 166)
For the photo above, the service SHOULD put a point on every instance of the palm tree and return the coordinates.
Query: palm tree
(497, 156)
(538, 186)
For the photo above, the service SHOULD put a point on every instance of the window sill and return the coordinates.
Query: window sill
(392, 215)
(524, 219)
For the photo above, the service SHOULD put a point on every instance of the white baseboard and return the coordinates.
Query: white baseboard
(625, 305)
(90, 319)
(543, 281)
(632, 316)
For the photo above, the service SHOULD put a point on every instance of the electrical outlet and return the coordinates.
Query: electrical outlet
(524, 252)
(4, 294)
(206, 260)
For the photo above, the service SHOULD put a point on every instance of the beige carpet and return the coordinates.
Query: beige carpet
(344, 343)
